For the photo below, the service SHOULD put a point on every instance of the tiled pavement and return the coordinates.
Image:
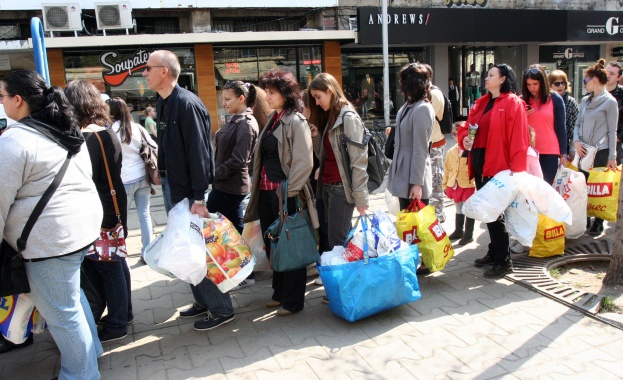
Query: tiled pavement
(463, 327)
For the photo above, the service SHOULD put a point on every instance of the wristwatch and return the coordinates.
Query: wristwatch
(200, 202)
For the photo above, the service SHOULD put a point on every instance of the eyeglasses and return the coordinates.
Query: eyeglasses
(4, 96)
(563, 83)
(148, 68)
(531, 70)
(586, 80)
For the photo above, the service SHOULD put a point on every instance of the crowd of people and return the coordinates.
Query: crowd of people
(276, 132)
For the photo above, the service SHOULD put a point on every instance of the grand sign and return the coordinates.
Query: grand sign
(582, 53)
(595, 26)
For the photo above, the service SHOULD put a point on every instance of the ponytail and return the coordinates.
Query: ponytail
(250, 99)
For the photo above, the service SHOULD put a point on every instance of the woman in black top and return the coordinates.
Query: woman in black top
(106, 284)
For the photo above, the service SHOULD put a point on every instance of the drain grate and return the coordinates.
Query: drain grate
(533, 273)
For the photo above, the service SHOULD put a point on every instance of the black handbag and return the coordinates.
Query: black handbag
(13, 279)
(293, 240)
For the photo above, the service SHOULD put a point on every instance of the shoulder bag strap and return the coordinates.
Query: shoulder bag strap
(45, 198)
(112, 188)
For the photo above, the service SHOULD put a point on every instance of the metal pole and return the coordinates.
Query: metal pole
(38, 47)
(385, 66)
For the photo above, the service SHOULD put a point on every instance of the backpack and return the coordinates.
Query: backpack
(378, 164)
(446, 121)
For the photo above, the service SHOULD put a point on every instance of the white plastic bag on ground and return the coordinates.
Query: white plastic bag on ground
(488, 203)
(546, 199)
(183, 251)
(392, 202)
(522, 219)
(571, 185)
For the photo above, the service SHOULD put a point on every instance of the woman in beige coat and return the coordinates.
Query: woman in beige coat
(283, 152)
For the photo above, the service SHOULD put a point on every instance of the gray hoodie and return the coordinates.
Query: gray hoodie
(597, 122)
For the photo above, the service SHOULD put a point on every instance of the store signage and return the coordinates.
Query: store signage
(595, 26)
(232, 68)
(119, 71)
(555, 53)
(311, 62)
(462, 3)
(617, 51)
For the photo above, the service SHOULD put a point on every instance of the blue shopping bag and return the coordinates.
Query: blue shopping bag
(358, 289)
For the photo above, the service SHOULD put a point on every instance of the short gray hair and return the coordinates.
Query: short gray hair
(169, 60)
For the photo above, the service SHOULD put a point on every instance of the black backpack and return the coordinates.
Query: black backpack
(446, 121)
(378, 164)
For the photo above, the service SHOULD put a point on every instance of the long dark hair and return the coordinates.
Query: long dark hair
(121, 113)
(415, 82)
(261, 110)
(535, 72)
(284, 83)
(47, 104)
(241, 88)
(88, 103)
(320, 118)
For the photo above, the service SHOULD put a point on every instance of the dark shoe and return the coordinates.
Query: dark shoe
(107, 336)
(142, 260)
(193, 311)
(597, 228)
(458, 227)
(213, 321)
(325, 300)
(272, 303)
(102, 320)
(487, 260)
(422, 271)
(468, 237)
(498, 271)
(6, 346)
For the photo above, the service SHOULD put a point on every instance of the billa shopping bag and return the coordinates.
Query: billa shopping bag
(229, 260)
(366, 287)
(550, 238)
(603, 193)
(407, 225)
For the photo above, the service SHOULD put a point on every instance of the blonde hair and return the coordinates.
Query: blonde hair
(532, 135)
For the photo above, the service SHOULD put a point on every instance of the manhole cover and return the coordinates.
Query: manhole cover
(533, 273)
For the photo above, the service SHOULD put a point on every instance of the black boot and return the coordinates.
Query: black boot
(487, 259)
(458, 227)
(469, 232)
(597, 228)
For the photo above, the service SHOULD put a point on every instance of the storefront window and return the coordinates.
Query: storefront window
(362, 79)
(248, 64)
(119, 72)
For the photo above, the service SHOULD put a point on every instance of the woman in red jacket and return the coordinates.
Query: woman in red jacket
(501, 143)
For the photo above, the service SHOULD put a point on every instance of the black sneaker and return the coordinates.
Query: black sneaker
(213, 321)
(498, 271)
(194, 311)
(107, 336)
(6, 346)
(596, 229)
(422, 271)
(487, 260)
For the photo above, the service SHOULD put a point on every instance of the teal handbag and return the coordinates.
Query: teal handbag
(293, 240)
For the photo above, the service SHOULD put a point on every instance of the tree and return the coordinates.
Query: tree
(614, 276)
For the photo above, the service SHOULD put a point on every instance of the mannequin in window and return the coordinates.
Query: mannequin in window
(473, 83)
(367, 95)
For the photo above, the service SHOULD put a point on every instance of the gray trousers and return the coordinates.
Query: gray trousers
(436, 196)
(339, 213)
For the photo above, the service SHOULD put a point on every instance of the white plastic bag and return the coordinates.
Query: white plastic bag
(388, 240)
(522, 219)
(183, 251)
(571, 185)
(15, 313)
(546, 199)
(492, 199)
(333, 257)
(152, 254)
(392, 202)
(252, 235)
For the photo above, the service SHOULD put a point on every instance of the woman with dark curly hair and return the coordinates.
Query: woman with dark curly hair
(283, 152)
(501, 143)
(106, 284)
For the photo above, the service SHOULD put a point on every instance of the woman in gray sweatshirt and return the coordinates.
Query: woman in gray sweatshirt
(596, 126)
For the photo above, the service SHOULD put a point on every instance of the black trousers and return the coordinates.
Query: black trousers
(288, 287)
(498, 249)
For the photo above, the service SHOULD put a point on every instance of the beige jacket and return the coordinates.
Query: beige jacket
(455, 170)
(296, 156)
(437, 101)
(353, 128)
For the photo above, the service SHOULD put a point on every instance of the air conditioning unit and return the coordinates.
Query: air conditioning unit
(62, 17)
(113, 15)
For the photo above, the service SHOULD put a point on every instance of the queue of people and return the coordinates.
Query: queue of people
(267, 141)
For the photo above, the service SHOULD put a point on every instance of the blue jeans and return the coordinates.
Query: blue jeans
(140, 192)
(55, 290)
(209, 296)
(229, 205)
(166, 194)
(105, 285)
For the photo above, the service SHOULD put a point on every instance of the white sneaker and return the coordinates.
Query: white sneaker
(318, 281)
(244, 284)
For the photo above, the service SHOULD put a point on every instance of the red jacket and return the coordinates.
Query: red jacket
(507, 140)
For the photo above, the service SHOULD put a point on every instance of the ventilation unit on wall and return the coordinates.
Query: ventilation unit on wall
(113, 15)
(62, 17)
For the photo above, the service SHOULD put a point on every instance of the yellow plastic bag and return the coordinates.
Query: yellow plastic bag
(419, 223)
(549, 239)
(603, 193)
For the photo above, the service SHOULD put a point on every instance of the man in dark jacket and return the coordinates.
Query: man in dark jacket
(186, 164)
(614, 74)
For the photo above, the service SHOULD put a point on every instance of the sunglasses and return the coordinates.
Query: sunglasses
(586, 80)
(531, 70)
(148, 68)
(564, 83)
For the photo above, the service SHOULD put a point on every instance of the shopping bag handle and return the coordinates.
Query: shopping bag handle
(416, 205)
